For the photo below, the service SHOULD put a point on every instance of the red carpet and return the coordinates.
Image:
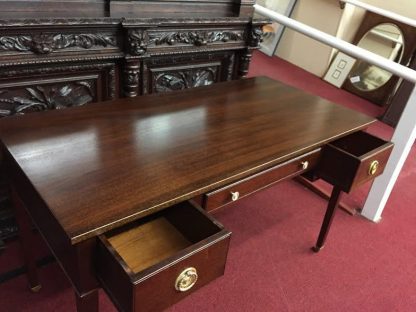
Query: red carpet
(364, 267)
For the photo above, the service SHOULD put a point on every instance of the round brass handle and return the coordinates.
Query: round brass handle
(235, 196)
(305, 165)
(373, 168)
(186, 280)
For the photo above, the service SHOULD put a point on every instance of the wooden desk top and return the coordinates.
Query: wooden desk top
(100, 166)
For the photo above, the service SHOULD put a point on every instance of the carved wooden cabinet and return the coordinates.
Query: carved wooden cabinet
(167, 55)
(50, 60)
(55, 64)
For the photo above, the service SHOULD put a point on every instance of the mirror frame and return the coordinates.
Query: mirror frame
(382, 96)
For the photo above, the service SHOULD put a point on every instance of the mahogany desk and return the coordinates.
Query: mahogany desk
(84, 174)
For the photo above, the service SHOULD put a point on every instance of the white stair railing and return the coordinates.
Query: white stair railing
(405, 132)
(389, 14)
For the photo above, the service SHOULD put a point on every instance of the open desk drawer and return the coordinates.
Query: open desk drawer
(353, 160)
(153, 263)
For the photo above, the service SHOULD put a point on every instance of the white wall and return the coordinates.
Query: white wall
(327, 16)
(303, 51)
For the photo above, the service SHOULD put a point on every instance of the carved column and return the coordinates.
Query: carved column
(137, 46)
(131, 78)
(244, 63)
(230, 67)
(254, 37)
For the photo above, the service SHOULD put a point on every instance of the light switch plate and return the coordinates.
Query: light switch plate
(339, 69)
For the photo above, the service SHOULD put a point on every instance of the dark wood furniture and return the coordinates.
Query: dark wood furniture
(346, 164)
(107, 179)
(57, 54)
(53, 64)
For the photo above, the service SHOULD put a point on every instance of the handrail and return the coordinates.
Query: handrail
(344, 46)
(371, 8)
(405, 133)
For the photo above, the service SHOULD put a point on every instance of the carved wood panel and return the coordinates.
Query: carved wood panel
(172, 79)
(44, 43)
(59, 88)
(186, 71)
(22, 100)
(157, 40)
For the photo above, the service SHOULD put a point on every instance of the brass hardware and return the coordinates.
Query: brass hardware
(186, 280)
(305, 165)
(373, 168)
(36, 289)
(235, 196)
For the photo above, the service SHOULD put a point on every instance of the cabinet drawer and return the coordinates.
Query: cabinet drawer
(154, 262)
(354, 160)
(235, 191)
(173, 38)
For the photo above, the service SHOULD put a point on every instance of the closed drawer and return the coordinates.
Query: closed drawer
(235, 191)
(47, 43)
(155, 262)
(167, 38)
(354, 160)
(186, 38)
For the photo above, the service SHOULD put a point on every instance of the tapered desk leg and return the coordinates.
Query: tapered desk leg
(87, 303)
(27, 241)
(329, 216)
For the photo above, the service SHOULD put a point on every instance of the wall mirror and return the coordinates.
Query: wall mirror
(390, 39)
(385, 40)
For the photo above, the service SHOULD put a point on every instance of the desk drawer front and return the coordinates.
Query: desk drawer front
(150, 265)
(354, 160)
(233, 192)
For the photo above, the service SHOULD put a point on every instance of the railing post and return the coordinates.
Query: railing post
(403, 138)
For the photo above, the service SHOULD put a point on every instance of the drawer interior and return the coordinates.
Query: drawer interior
(159, 237)
(359, 143)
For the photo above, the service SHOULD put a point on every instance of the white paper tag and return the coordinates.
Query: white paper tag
(355, 79)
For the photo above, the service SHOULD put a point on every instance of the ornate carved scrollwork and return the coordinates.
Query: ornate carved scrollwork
(196, 38)
(46, 97)
(225, 36)
(47, 43)
(172, 38)
(184, 79)
(137, 42)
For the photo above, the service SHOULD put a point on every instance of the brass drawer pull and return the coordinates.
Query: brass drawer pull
(235, 196)
(305, 164)
(373, 168)
(186, 280)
